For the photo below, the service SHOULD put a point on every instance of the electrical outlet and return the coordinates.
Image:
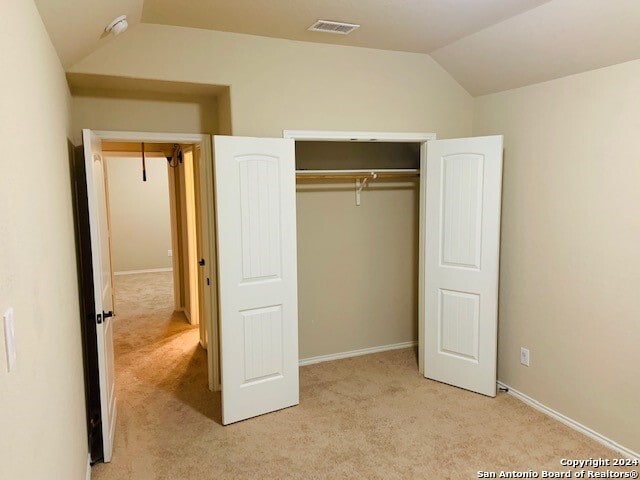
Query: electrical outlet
(169, 253)
(524, 356)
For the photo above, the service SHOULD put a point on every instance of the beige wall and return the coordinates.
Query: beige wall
(357, 266)
(42, 419)
(280, 84)
(142, 112)
(140, 217)
(570, 244)
(189, 235)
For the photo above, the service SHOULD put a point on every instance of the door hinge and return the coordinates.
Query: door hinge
(202, 262)
(208, 281)
(99, 318)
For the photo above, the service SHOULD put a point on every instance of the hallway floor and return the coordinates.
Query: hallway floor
(370, 417)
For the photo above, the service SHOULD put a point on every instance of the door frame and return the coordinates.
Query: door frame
(185, 214)
(403, 137)
(207, 226)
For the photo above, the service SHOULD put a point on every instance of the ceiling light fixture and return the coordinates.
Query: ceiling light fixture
(118, 26)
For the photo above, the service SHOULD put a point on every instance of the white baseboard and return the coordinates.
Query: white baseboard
(607, 442)
(355, 353)
(88, 474)
(148, 270)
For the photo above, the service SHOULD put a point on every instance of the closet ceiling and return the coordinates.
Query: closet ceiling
(486, 45)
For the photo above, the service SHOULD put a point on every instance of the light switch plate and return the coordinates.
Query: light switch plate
(9, 339)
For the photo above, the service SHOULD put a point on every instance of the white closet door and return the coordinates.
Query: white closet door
(256, 225)
(101, 260)
(463, 192)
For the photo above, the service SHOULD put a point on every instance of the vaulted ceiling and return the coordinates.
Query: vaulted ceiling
(486, 45)
(406, 25)
(76, 27)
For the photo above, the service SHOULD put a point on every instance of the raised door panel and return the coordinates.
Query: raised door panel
(262, 344)
(461, 210)
(256, 225)
(458, 323)
(260, 213)
(461, 203)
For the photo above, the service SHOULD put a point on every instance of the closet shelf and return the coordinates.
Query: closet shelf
(357, 174)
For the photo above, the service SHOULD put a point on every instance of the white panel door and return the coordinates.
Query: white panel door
(257, 275)
(462, 249)
(101, 260)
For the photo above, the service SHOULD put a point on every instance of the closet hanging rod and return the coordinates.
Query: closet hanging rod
(379, 171)
(357, 177)
(388, 173)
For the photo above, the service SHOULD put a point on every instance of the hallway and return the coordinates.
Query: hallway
(161, 376)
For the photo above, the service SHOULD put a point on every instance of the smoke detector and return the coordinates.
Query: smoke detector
(327, 26)
(118, 26)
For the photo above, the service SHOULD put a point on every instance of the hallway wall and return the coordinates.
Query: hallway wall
(139, 211)
(42, 419)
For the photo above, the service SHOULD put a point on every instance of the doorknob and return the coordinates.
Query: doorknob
(103, 315)
(201, 262)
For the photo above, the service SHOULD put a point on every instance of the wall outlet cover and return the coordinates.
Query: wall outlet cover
(524, 356)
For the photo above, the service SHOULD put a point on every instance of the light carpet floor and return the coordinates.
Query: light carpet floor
(369, 417)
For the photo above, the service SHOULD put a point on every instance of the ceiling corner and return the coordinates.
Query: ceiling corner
(76, 27)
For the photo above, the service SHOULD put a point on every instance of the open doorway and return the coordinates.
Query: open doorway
(152, 263)
(153, 220)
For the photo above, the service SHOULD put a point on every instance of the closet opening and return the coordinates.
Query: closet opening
(341, 247)
(358, 228)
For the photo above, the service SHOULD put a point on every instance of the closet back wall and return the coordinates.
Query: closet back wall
(357, 265)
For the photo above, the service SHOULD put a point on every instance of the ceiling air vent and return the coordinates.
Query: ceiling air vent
(327, 26)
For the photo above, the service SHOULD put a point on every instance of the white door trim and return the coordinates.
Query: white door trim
(88, 471)
(122, 136)
(206, 164)
(422, 252)
(337, 136)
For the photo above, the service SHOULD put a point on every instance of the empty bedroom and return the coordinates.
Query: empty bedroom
(319, 239)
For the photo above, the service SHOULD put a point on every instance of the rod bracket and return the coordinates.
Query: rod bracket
(361, 184)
